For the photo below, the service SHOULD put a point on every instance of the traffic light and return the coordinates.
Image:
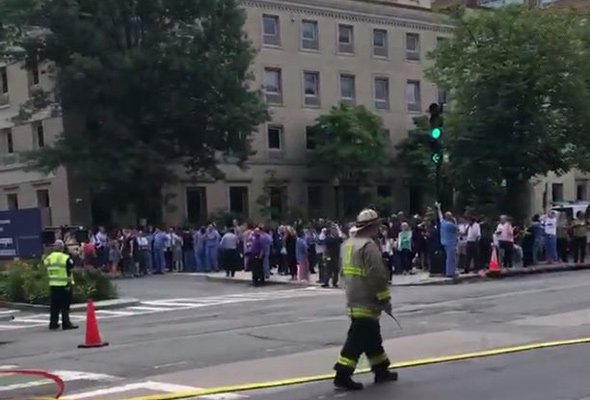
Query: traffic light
(436, 133)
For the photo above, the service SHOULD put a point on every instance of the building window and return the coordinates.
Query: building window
(382, 93)
(278, 202)
(43, 198)
(413, 98)
(557, 192)
(12, 201)
(384, 191)
(345, 39)
(441, 41)
(347, 88)
(9, 141)
(238, 200)
(310, 137)
(273, 86)
(3, 81)
(38, 135)
(315, 201)
(380, 43)
(311, 83)
(196, 204)
(309, 35)
(271, 30)
(581, 190)
(412, 46)
(274, 133)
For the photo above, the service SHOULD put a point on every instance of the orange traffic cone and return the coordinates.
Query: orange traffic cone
(92, 333)
(494, 267)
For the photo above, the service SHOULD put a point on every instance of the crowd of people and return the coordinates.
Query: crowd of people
(408, 244)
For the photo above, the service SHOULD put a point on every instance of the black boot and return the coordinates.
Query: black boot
(384, 376)
(343, 381)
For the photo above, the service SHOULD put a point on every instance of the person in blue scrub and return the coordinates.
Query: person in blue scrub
(212, 239)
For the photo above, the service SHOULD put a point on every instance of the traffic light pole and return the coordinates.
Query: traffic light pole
(437, 255)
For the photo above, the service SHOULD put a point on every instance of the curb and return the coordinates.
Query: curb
(504, 273)
(99, 305)
(543, 269)
(306, 284)
(248, 282)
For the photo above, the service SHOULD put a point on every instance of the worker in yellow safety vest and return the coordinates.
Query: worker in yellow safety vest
(367, 292)
(59, 267)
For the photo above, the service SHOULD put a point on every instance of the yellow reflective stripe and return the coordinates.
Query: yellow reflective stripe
(347, 255)
(384, 295)
(380, 359)
(358, 312)
(349, 270)
(347, 362)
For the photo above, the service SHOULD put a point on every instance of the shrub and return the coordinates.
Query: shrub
(27, 282)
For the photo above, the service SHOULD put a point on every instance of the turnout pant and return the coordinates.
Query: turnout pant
(364, 336)
(60, 299)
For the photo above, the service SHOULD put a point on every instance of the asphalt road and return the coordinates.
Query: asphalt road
(178, 342)
(552, 374)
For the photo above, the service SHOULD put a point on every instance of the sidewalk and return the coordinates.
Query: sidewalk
(418, 279)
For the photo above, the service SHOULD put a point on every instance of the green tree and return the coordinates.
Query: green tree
(520, 100)
(350, 145)
(146, 86)
(349, 141)
(413, 155)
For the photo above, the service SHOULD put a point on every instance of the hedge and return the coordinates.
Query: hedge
(27, 282)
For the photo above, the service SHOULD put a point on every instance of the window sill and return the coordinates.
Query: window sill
(417, 62)
(311, 51)
(272, 46)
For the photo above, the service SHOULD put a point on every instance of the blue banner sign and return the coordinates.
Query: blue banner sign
(20, 233)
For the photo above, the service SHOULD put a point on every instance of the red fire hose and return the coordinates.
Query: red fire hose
(59, 383)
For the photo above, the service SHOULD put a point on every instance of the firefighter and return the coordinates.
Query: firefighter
(367, 293)
(61, 281)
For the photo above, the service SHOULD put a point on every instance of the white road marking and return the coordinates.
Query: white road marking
(66, 376)
(33, 320)
(166, 305)
(117, 313)
(15, 326)
(144, 308)
(152, 386)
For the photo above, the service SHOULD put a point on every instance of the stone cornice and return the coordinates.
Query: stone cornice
(362, 12)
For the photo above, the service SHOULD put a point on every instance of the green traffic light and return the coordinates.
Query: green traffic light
(436, 133)
(436, 157)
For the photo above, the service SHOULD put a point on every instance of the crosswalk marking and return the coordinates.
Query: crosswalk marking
(117, 313)
(151, 386)
(66, 376)
(167, 305)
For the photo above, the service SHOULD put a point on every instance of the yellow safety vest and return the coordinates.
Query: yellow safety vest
(57, 270)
